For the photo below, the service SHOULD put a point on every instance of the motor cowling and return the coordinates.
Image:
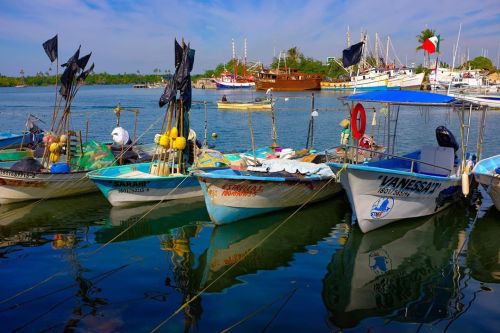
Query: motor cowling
(445, 138)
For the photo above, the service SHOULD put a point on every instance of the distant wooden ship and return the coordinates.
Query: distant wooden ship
(288, 79)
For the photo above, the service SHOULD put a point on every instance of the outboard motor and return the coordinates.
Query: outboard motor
(445, 138)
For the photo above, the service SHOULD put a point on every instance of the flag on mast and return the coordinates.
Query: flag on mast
(50, 47)
(431, 44)
(352, 55)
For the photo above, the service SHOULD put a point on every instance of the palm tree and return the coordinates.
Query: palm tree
(294, 54)
(424, 35)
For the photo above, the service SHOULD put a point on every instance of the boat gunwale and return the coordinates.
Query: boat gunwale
(94, 174)
(364, 167)
(307, 178)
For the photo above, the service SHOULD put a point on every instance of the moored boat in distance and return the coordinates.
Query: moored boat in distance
(370, 80)
(487, 173)
(229, 80)
(258, 104)
(287, 80)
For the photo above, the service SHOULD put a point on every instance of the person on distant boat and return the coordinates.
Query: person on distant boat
(346, 132)
(224, 98)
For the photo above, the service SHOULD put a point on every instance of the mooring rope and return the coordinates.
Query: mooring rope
(88, 254)
(185, 304)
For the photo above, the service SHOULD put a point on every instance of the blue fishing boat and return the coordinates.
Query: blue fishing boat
(167, 177)
(390, 187)
(132, 184)
(487, 173)
(232, 195)
(9, 140)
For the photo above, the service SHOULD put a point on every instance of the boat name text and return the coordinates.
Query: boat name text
(403, 187)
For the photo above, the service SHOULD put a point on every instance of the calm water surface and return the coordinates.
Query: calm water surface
(79, 265)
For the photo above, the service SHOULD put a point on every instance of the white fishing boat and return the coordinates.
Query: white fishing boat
(232, 195)
(493, 101)
(393, 187)
(16, 186)
(369, 80)
(405, 78)
(63, 167)
(487, 173)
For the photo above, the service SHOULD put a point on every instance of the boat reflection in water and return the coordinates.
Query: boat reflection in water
(234, 243)
(483, 249)
(33, 224)
(155, 219)
(403, 274)
(212, 270)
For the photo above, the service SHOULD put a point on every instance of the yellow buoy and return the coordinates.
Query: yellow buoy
(174, 133)
(54, 157)
(179, 143)
(214, 135)
(54, 147)
(164, 141)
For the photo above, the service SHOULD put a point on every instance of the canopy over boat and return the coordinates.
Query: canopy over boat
(401, 97)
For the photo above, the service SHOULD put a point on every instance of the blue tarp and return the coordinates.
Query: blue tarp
(402, 97)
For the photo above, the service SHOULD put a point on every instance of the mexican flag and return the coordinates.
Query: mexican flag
(431, 45)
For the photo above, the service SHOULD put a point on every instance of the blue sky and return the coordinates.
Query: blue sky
(126, 36)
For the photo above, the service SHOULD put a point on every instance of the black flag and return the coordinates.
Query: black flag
(69, 73)
(50, 47)
(73, 61)
(86, 73)
(82, 62)
(184, 60)
(352, 55)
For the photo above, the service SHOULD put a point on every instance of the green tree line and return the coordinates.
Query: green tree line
(96, 78)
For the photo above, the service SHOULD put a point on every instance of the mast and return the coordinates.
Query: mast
(376, 50)
(387, 51)
(454, 56)
(235, 66)
(245, 60)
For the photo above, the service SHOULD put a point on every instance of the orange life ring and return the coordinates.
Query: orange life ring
(358, 109)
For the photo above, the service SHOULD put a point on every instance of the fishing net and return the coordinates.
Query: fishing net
(95, 156)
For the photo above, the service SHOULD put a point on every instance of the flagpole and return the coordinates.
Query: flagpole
(357, 72)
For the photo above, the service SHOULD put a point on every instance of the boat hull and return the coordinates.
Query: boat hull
(11, 140)
(485, 174)
(288, 85)
(245, 106)
(230, 200)
(121, 191)
(16, 186)
(234, 85)
(377, 83)
(382, 196)
(15, 154)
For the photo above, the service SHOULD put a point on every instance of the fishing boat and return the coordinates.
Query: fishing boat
(232, 195)
(167, 176)
(493, 101)
(405, 78)
(288, 79)
(393, 187)
(229, 80)
(369, 80)
(63, 167)
(258, 104)
(487, 173)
